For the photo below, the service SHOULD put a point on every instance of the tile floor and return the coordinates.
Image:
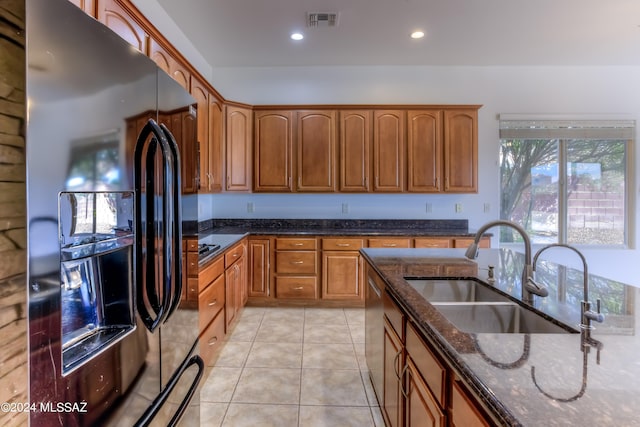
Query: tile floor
(291, 367)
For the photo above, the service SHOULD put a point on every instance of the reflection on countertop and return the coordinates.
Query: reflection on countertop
(551, 385)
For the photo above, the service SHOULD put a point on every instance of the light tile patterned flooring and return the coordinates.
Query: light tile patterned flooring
(293, 367)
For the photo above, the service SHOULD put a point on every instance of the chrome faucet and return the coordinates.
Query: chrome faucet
(529, 287)
(586, 314)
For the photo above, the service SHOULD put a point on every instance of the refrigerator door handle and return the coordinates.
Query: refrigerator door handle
(174, 208)
(147, 296)
(160, 400)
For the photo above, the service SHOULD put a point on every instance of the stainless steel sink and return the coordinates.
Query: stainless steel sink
(474, 307)
(453, 290)
(497, 318)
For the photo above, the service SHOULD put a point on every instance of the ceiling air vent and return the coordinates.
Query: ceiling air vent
(322, 19)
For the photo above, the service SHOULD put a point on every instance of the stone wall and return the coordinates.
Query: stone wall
(13, 263)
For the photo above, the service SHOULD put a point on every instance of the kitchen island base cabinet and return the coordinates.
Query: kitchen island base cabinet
(418, 387)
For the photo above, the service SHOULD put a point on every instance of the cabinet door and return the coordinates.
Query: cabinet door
(341, 275)
(88, 6)
(169, 63)
(424, 150)
(355, 149)
(421, 410)
(216, 145)
(258, 268)
(315, 151)
(112, 14)
(230, 308)
(461, 151)
(392, 406)
(273, 150)
(388, 150)
(183, 126)
(238, 145)
(201, 95)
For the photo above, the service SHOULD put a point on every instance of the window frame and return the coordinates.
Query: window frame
(516, 127)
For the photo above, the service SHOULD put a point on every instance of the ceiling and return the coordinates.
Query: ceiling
(255, 33)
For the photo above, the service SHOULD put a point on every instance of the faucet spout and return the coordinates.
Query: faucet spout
(587, 315)
(528, 290)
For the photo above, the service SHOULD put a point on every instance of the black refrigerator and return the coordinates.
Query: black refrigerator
(109, 341)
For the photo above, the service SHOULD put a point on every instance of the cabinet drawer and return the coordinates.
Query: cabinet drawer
(389, 243)
(336, 244)
(393, 314)
(463, 410)
(429, 367)
(212, 338)
(192, 289)
(210, 272)
(464, 242)
(233, 254)
(432, 242)
(296, 262)
(286, 243)
(210, 302)
(192, 245)
(192, 264)
(297, 287)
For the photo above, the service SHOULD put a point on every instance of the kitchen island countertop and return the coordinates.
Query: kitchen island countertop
(572, 386)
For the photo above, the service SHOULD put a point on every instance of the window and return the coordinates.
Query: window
(566, 181)
(94, 164)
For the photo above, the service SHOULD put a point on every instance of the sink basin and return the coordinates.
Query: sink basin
(474, 307)
(497, 318)
(453, 290)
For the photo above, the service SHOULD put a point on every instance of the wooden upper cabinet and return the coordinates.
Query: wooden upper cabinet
(273, 132)
(169, 64)
(216, 145)
(355, 150)
(461, 151)
(238, 148)
(424, 150)
(388, 150)
(183, 126)
(315, 148)
(115, 16)
(88, 6)
(201, 95)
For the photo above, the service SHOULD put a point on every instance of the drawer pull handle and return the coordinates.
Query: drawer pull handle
(389, 245)
(236, 255)
(298, 244)
(212, 303)
(297, 262)
(298, 288)
(213, 341)
(343, 245)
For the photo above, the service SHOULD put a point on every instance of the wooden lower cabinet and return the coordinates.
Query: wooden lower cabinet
(235, 278)
(419, 388)
(258, 251)
(392, 389)
(342, 277)
(420, 407)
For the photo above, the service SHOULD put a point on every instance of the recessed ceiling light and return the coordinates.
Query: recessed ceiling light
(417, 35)
(297, 36)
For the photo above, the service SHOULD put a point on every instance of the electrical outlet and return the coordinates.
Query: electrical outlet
(458, 207)
(487, 207)
(429, 208)
(345, 208)
(250, 207)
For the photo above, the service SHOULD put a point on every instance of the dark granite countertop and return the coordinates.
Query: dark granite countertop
(339, 227)
(224, 240)
(572, 386)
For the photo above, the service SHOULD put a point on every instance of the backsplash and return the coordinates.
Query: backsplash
(13, 264)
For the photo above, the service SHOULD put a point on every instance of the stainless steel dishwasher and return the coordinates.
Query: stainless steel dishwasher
(374, 331)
